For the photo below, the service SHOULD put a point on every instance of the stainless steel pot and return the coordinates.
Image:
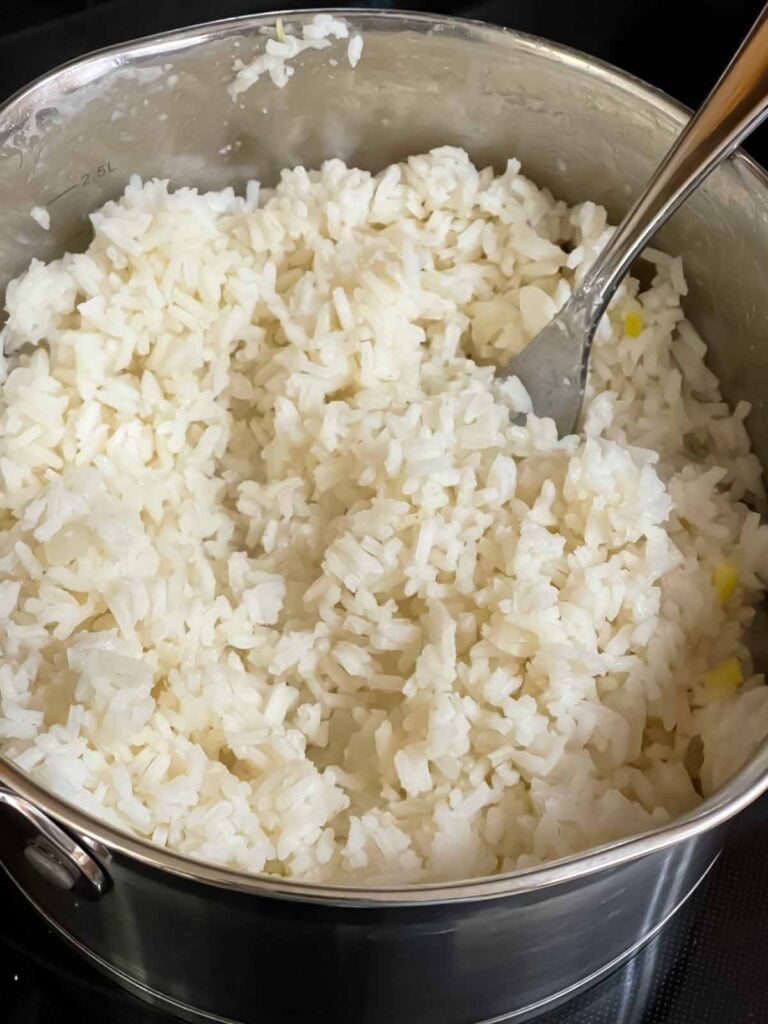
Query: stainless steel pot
(214, 944)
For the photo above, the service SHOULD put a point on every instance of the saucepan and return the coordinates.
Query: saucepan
(215, 944)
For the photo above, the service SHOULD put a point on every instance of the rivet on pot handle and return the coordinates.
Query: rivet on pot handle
(55, 854)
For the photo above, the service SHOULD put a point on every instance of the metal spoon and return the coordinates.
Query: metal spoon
(553, 367)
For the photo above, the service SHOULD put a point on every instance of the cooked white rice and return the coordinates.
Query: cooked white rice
(282, 585)
(282, 47)
(41, 215)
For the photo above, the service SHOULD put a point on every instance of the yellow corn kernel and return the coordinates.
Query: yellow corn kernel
(279, 31)
(726, 677)
(633, 325)
(725, 577)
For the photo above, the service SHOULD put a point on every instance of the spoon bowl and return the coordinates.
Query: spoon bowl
(553, 367)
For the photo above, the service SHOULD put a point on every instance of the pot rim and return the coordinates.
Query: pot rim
(104, 839)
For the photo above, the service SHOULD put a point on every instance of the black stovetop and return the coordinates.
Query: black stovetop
(710, 965)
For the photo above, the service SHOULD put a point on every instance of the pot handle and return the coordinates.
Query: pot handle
(55, 854)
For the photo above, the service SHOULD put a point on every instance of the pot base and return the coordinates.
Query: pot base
(195, 1016)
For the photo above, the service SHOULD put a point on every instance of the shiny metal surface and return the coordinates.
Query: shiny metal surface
(226, 954)
(554, 365)
(219, 940)
(55, 853)
(189, 1013)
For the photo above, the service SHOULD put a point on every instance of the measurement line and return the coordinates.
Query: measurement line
(62, 194)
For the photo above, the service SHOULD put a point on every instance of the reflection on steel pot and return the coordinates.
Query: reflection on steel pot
(216, 944)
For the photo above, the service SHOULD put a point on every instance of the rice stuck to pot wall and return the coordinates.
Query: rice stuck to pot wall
(284, 587)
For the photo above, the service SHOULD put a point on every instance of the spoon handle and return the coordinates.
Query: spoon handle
(734, 108)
